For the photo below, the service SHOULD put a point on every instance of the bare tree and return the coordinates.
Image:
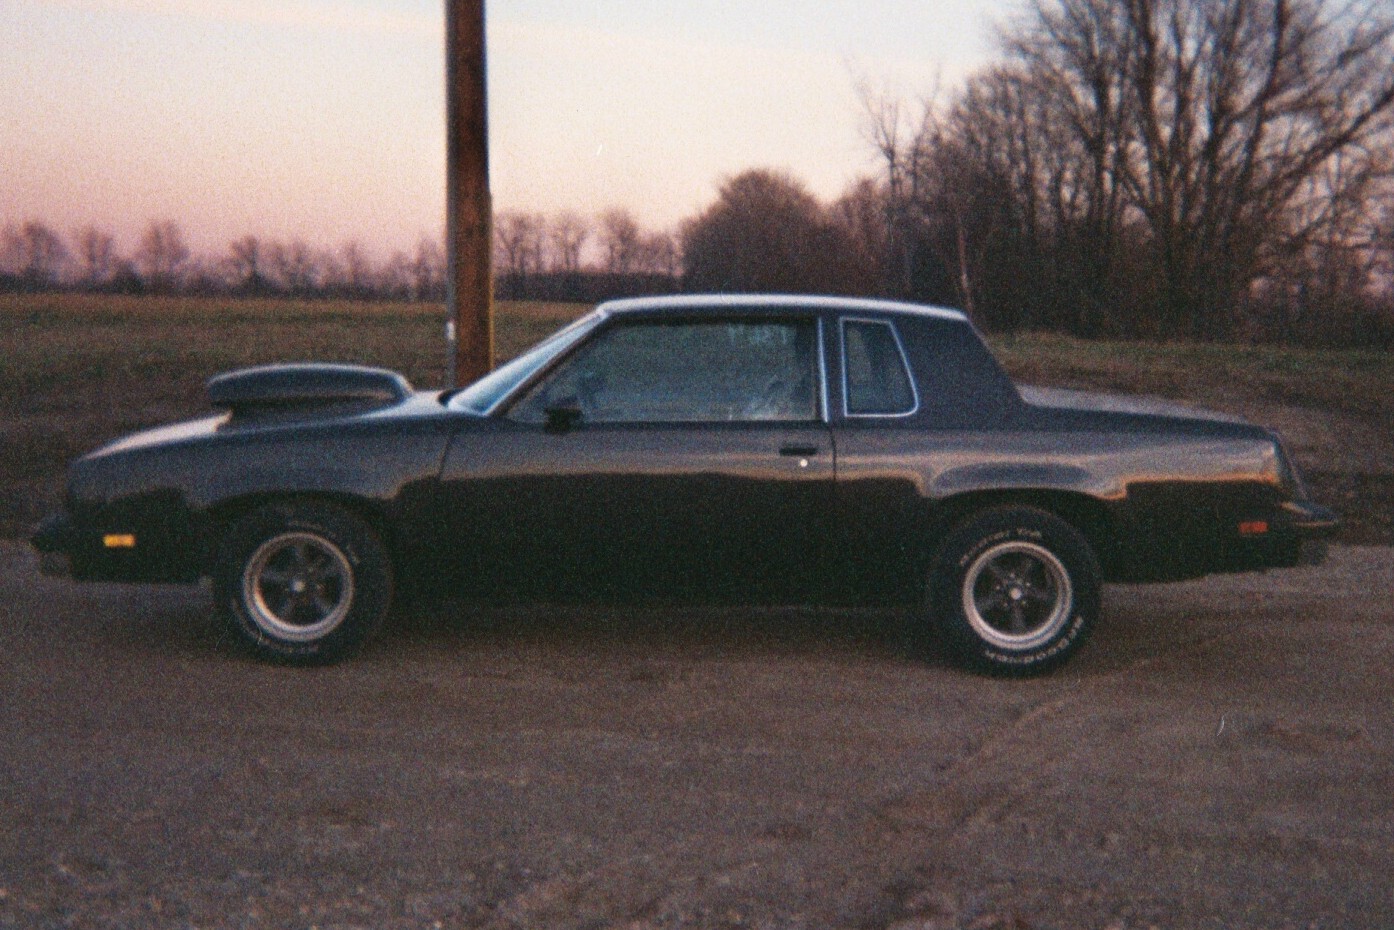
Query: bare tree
(1382, 249)
(354, 270)
(657, 254)
(97, 257)
(1237, 111)
(34, 254)
(162, 255)
(905, 142)
(294, 267)
(568, 235)
(247, 261)
(766, 232)
(1027, 210)
(428, 270)
(395, 278)
(1138, 165)
(10, 253)
(519, 242)
(620, 236)
(863, 216)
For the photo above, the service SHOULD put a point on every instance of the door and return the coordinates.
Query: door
(689, 457)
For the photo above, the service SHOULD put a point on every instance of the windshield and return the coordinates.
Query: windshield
(484, 395)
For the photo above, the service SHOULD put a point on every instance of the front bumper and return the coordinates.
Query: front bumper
(56, 564)
(54, 539)
(114, 551)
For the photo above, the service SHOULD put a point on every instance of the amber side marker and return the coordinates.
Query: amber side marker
(119, 540)
(1253, 528)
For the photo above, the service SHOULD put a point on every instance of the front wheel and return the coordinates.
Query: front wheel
(1014, 591)
(302, 582)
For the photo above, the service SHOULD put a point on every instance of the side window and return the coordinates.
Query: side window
(686, 372)
(877, 377)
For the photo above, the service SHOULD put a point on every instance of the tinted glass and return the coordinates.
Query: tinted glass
(687, 372)
(481, 396)
(878, 382)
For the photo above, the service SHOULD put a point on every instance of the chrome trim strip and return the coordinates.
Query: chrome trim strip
(904, 362)
(720, 302)
(824, 397)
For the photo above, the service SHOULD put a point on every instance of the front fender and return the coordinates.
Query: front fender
(168, 497)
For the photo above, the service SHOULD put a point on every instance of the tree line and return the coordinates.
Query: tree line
(1186, 168)
(566, 257)
(1195, 169)
(36, 257)
(1205, 169)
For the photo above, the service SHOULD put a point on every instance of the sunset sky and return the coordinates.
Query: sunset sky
(324, 119)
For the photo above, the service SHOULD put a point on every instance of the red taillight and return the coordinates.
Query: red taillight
(1253, 527)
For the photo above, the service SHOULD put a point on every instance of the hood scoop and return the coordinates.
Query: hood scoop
(300, 389)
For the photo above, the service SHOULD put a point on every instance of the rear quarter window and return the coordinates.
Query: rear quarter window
(876, 373)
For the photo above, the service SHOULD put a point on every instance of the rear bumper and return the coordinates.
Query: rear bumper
(1310, 521)
(1290, 534)
(1312, 524)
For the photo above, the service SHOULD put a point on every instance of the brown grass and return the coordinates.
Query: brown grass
(1357, 381)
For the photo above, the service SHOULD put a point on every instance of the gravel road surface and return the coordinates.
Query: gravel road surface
(1221, 755)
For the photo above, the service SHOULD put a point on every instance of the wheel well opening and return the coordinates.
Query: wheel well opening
(1082, 512)
(219, 518)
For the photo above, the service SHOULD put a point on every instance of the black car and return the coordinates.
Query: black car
(734, 447)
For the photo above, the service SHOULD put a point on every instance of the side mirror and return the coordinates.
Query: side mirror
(563, 417)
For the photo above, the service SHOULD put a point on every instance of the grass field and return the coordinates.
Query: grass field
(77, 370)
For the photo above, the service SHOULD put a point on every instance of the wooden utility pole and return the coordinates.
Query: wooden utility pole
(468, 204)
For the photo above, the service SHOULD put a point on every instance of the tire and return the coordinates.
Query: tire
(1013, 591)
(302, 583)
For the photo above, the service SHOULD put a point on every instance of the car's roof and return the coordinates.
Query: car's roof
(718, 303)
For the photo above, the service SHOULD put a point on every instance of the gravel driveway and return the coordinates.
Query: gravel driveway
(1220, 756)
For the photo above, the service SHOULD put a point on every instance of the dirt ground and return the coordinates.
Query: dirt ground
(1221, 755)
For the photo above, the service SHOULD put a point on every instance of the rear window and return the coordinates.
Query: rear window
(876, 376)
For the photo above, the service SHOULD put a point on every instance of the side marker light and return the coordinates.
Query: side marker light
(119, 540)
(1253, 527)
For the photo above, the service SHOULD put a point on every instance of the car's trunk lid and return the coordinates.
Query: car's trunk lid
(1063, 399)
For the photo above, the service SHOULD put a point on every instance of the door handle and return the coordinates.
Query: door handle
(798, 450)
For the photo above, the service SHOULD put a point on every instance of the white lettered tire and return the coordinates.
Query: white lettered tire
(1013, 590)
(302, 582)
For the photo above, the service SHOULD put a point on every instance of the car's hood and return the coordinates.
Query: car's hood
(169, 434)
(1062, 399)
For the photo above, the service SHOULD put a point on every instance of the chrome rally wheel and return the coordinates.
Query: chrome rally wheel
(1017, 595)
(304, 582)
(298, 587)
(1013, 590)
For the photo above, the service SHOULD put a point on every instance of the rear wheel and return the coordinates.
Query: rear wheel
(302, 582)
(1014, 591)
